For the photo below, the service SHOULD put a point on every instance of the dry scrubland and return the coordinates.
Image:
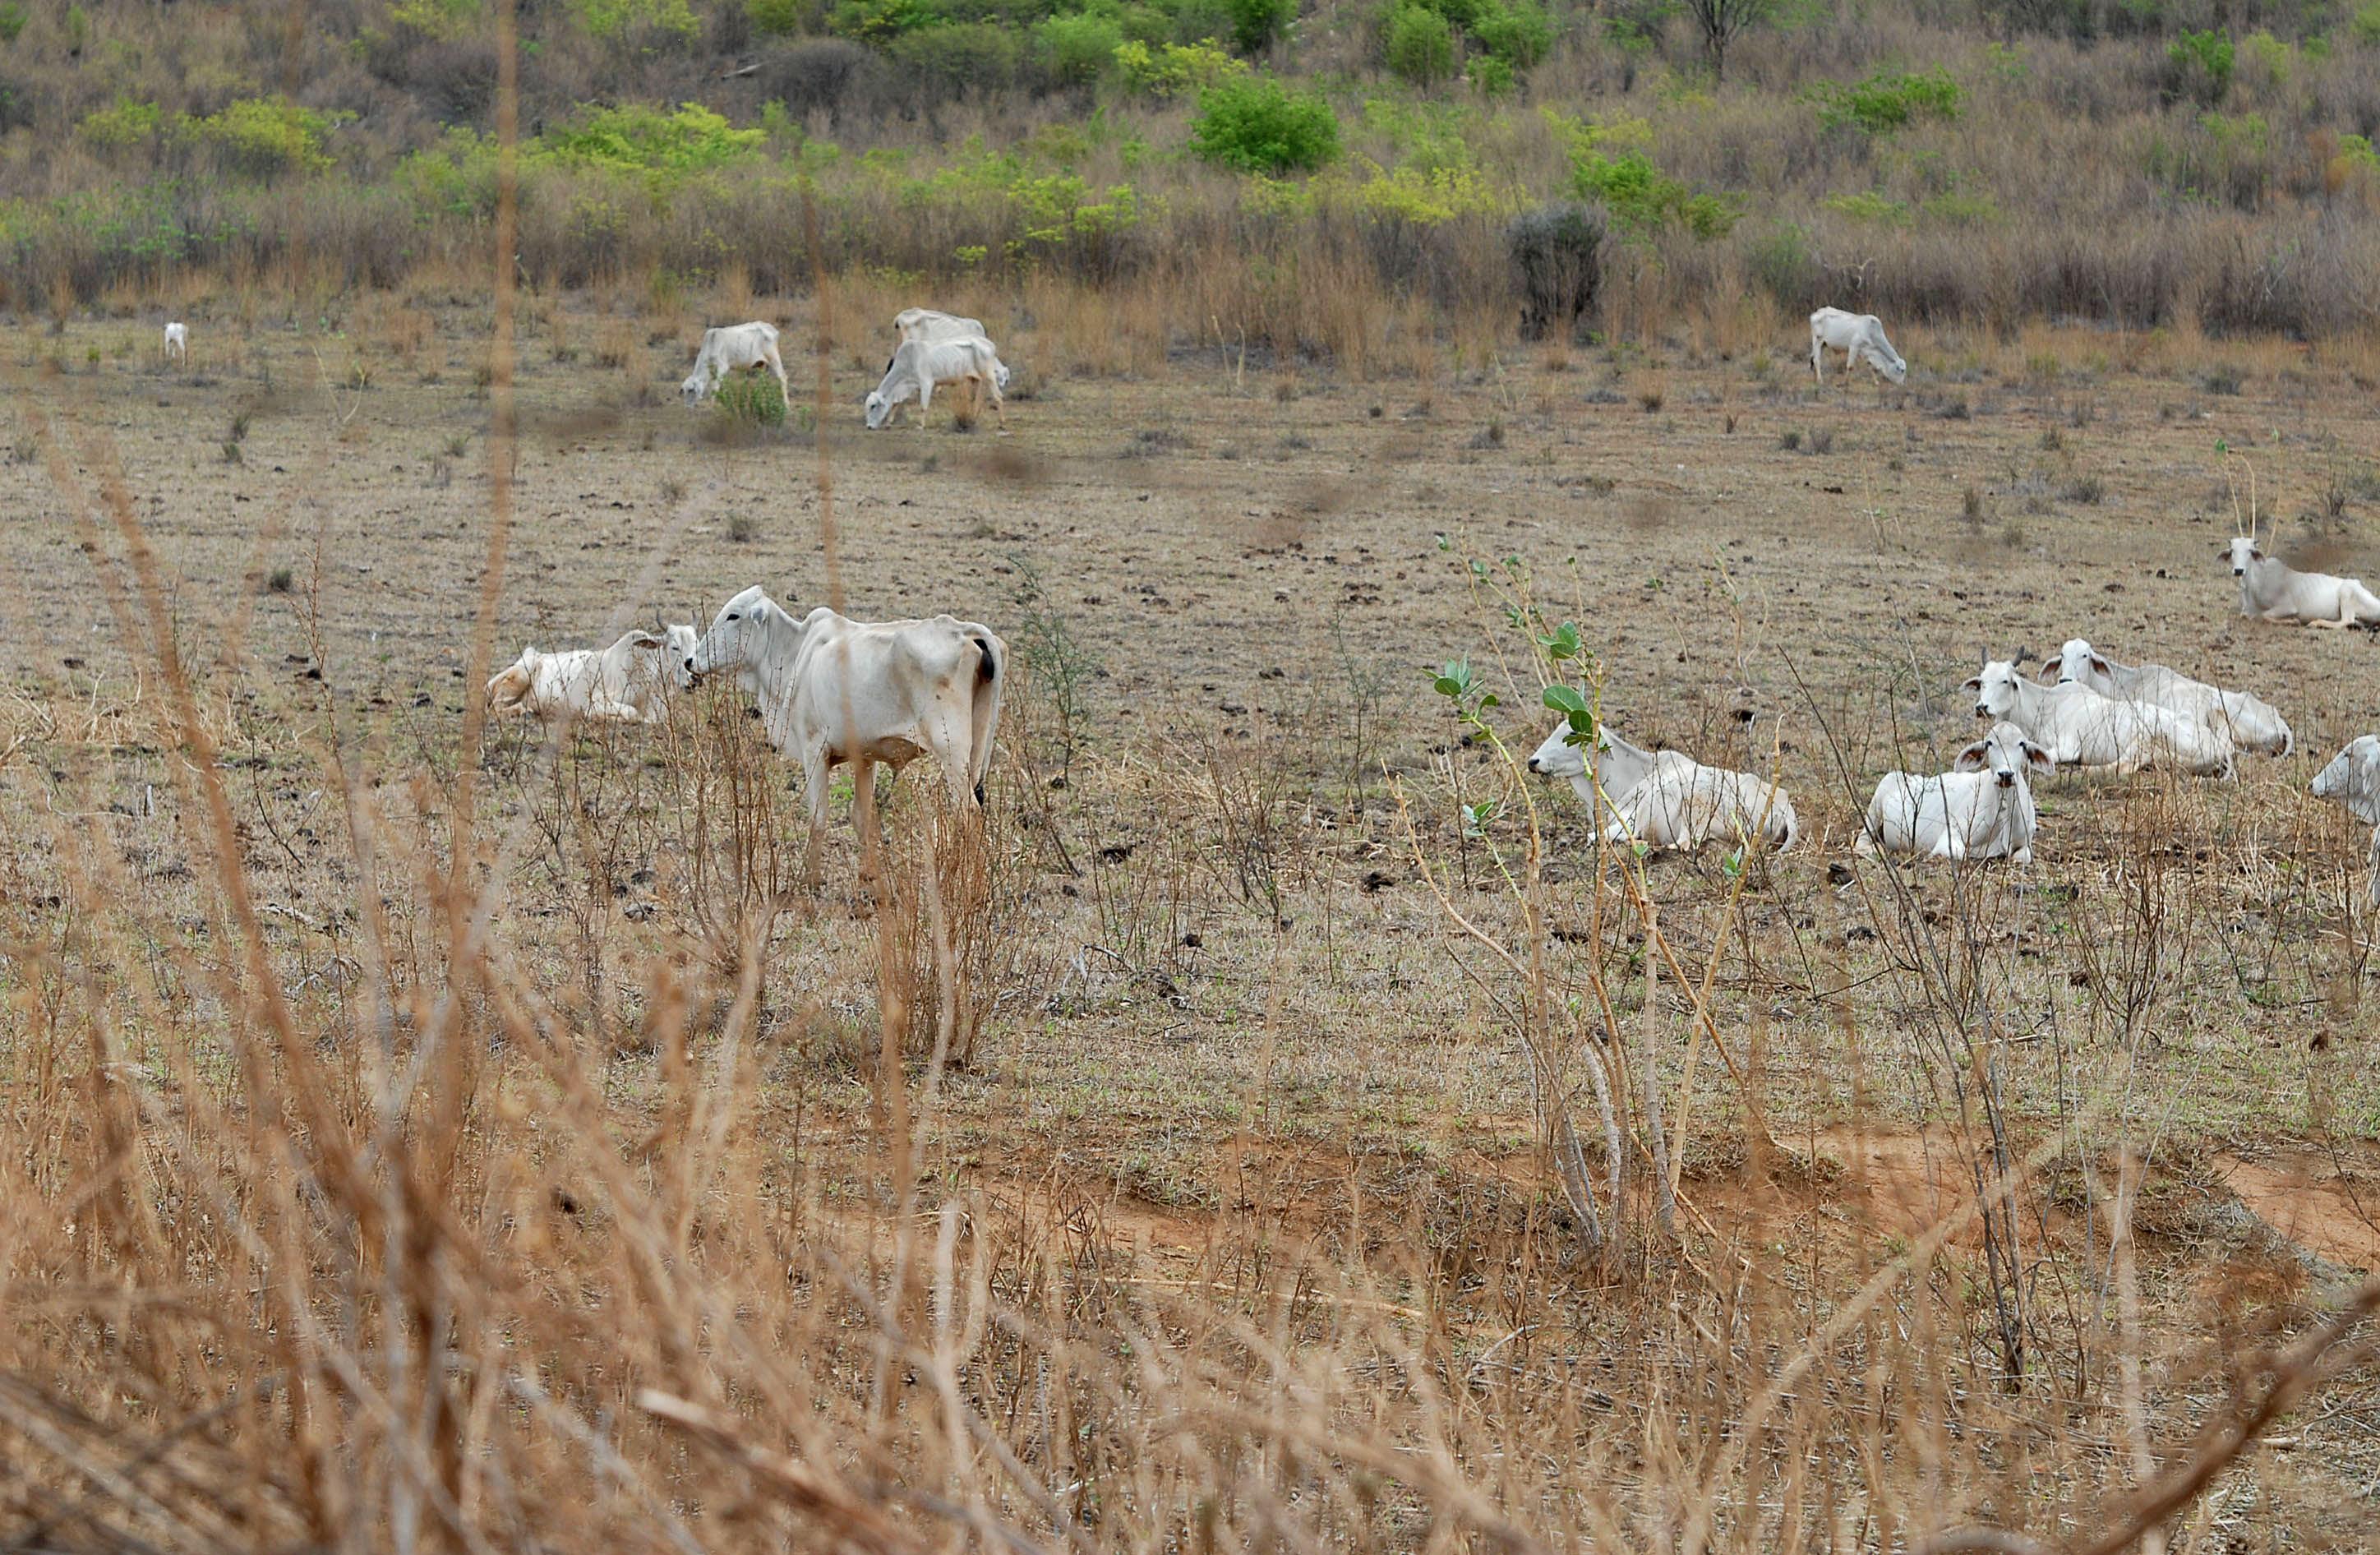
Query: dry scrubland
(422, 1143)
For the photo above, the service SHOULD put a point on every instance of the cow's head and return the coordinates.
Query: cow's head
(2005, 753)
(2352, 779)
(1996, 688)
(2079, 664)
(737, 636)
(695, 387)
(878, 407)
(507, 687)
(2243, 551)
(1888, 361)
(679, 641)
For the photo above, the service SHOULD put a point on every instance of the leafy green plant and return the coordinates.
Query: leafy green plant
(2197, 65)
(607, 20)
(122, 125)
(1256, 23)
(1640, 196)
(880, 21)
(265, 136)
(777, 17)
(665, 147)
(1516, 33)
(439, 19)
(1171, 70)
(1417, 43)
(751, 398)
(1259, 126)
(1081, 47)
(1885, 102)
(12, 21)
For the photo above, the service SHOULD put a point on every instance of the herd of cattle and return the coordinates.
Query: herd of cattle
(830, 689)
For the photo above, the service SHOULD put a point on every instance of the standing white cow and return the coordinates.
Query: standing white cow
(832, 689)
(628, 682)
(2352, 780)
(2081, 728)
(178, 342)
(2272, 591)
(1981, 809)
(1860, 337)
(733, 348)
(1665, 799)
(919, 367)
(2248, 721)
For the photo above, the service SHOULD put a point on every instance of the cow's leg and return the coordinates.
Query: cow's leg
(925, 396)
(998, 406)
(866, 822)
(814, 767)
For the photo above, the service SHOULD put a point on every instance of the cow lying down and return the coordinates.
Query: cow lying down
(2352, 782)
(1981, 809)
(627, 682)
(1665, 799)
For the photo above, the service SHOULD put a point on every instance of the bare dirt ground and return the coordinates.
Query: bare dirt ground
(1257, 572)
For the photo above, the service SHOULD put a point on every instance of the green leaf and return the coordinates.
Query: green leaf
(1491, 700)
(1448, 685)
(1564, 644)
(1562, 699)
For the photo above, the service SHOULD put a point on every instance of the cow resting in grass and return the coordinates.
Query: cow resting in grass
(1665, 799)
(733, 349)
(1860, 337)
(832, 689)
(628, 682)
(920, 367)
(2352, 782)
(2079, 727)
(1981, 809)
(2248, 721)
(2273, 590)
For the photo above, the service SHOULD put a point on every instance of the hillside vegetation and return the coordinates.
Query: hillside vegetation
(1293, 178)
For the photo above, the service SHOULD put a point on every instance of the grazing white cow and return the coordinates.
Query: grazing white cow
(733, 348)
(1860, 337)
(832, 689)
(2352, 780)
(1981, 809)
(2272, 591)
(1666, 798)
(178, 342)
(628, 682)
(2248, 721)
(919, 367)
(2081, 728)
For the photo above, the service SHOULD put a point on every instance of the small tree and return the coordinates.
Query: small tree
(1721, 21)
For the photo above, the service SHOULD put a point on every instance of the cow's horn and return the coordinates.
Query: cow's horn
(2023, 653)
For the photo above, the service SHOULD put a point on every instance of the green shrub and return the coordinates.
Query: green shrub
(12, 21)
(123, 124)
(662, 146)
(1517, 32)
(264, 135)
(880, 21)
(751, 398)
(1171, 69)
(1641, 197)
(777, 17)
(1256, 23)
(1259, 126)
(1417, 43)
(2365, 26)
(1885, 102)
(1491, 76)
(607, 20)
(439, 19)
(1780, 261)
(1080, 47)
(2198, 67)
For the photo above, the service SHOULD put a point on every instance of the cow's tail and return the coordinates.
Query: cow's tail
(990, 680)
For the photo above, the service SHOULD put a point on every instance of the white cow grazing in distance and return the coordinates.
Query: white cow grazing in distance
(832, 689)
(2272, 591)
(628, 682)
(1981, 809)
(2352, 780)
(733, 349)
(1860, 337)
(919, 367)
(178, 342)
(2079, 727)
(2248, 721)
(1666, 798)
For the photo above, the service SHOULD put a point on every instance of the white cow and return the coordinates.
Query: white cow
(832, 689)
(1860, 337)
(2352, 780)
(178, 342)
(1666, 798)
(2248, 721)
(2272, 591)
(928, 324)
(2081, 728)
(628, 682)
(733, 348)
(919, 367)
(1981, 809)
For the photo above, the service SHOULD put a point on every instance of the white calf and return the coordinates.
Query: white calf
(1666, 798)
(178, 342)
(628, 682)
(732, 349)
(2248, 721)
(1981, 809)
(2352, 780)
(2271, 590)
(1860, 337)
(2079, 727)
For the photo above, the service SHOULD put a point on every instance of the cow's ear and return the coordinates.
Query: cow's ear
(1974, 683)
(1971, 759)
(2255, 552)
(2049, 668)
(645, 639)
(2039, 757)
(2100, 664)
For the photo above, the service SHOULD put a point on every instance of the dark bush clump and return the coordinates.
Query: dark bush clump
(1558, 265)
(830, 74)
